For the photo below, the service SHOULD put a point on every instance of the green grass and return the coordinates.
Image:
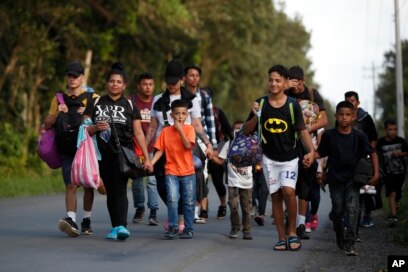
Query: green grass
(20, 186)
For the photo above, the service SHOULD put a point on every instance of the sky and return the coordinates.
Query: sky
(348, 42)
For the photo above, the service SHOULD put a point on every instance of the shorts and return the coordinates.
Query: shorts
(306, 178)
(66, 165)
(278, 174)
(394, 183)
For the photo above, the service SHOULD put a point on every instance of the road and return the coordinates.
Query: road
(31, 241)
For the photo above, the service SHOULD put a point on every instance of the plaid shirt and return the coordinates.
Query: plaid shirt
(207, 114)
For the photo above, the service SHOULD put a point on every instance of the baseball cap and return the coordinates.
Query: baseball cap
(174, 71)
(74, 68)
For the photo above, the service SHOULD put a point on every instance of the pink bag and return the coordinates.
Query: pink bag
(47, 149)
(85, 168)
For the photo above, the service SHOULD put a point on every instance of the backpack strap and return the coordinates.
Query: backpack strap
(292, 116)
(60, 98)
(260, 135)
(311, 93)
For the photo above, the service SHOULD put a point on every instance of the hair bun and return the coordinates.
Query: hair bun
(118, 66)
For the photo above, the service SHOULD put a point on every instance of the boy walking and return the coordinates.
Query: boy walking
(239, 191)
(280, 120)
(393, 149)
(345, 146)
(177, 141)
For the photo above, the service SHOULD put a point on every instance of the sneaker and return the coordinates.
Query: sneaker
(187, 234)
(367, 222)
(314, 221)
(358, 238)
(260, 220)
(301, 232)
(222, 211)
(171, 233)
(246, 235)
(202, 218)
(308, 228)
(113, 235)
(68, 226)
(123, 233)
(86, 226)
(392, 218)
(138, 215)
(234, 233)
(350, 251)
(153, 218)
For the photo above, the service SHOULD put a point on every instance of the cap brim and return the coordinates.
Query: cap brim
(74, 73)
(171, 79)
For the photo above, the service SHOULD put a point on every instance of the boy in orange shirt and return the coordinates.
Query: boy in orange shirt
(177, 141)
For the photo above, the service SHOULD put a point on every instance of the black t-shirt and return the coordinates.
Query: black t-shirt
(389, 164)
(344, 151)
(278, 131)
(305, 95)
(123, 114)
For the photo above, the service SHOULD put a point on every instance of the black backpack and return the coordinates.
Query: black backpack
(67, 123)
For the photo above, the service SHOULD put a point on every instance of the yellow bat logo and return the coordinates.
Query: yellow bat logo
(274, 125)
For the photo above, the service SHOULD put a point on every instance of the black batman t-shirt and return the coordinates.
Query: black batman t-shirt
(278, 131)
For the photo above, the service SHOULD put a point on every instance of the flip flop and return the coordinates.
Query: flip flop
(294, 240)
(279, 246)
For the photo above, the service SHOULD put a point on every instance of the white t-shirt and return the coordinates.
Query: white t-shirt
(240, 177)
(194, 112)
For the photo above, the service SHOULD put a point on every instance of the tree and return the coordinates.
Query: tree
(386, 91)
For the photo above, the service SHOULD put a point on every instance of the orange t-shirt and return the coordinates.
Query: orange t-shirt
(179, 161)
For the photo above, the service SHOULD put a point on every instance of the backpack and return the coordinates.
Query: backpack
(68, 123)
(245, 150)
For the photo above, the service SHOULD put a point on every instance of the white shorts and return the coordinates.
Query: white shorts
(278, 174)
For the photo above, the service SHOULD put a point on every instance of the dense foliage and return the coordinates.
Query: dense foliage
(235, 42)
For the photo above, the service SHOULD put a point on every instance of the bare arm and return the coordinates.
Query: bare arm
(249, 126)
(186, 142)
(376, 177)
(320, 123)
(141, 140)
(218, 160)
(151, 132)
(157, 155)
(308, 159)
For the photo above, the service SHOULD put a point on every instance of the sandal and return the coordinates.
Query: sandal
(281, 246)
(294, 240)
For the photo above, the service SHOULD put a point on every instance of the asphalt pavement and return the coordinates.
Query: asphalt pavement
(30, 241)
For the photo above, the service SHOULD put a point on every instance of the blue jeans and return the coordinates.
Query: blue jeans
(345, 201)
(186, 186)
(139, 195)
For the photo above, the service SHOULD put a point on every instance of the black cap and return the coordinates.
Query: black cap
(174, 71)
(74, 68)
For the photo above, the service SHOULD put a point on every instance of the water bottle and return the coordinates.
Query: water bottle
(105, 135)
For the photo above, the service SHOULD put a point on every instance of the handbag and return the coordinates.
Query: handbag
(129, 164)
(47, 146)
(47, 149)
(363, 172)
(85, 167)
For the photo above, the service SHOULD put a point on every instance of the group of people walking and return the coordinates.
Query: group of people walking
(184, 138)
